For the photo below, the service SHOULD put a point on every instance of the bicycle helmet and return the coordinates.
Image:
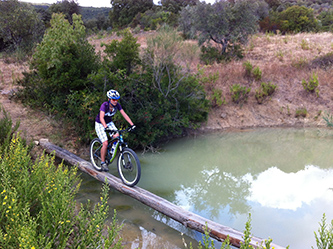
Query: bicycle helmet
(113, 94)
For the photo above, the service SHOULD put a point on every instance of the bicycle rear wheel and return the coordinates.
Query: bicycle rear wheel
(95, 153)
(129, 167)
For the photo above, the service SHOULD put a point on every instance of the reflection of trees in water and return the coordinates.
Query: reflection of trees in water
(232, 193)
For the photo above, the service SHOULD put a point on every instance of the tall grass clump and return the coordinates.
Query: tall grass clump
(37, 206)
(328, 119)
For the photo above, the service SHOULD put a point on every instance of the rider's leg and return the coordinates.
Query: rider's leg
(104, 139)
(104, 150)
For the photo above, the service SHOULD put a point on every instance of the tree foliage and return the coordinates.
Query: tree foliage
(123, 11)
(175, 6)
(123, 54)
(68, 8)
(60, 67)
(224, 22)
(326, 20)
(298, 19)
(20, 24)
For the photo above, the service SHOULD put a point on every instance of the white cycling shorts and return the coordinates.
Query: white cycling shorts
(99, 128)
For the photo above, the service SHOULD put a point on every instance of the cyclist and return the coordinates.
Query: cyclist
(103, 121)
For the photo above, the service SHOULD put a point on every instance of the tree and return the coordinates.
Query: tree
(124, 54)
(60, 66)
(68, 8)
(123, 11)
(175, 6)
(224, 22)
(298, 19)
(326, 19)
(20, 24)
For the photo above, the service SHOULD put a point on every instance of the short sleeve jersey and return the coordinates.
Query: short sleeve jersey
(109, 113)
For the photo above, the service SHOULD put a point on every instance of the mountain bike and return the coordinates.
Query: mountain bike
(128, 163)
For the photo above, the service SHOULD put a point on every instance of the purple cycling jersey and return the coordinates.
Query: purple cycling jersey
(108, 112)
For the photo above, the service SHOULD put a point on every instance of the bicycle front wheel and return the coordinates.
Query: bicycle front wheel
(129, 167)
(95, 153)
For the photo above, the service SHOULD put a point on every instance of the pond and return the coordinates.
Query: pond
(282, 177)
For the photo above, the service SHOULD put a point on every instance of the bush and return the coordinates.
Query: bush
(257, 73)
(265, 90)
(301, 112)
(209, 55)
(326, 20)
(298, 19)
(312, 84)
(7, 129)
(58, 82)
(239, 94)
(248, 68)
(217, 98)
(38, 205)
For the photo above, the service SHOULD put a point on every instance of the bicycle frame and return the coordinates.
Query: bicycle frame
(120, 144)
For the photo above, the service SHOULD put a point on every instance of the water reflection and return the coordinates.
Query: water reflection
(276, 189)
(202, 197)
(283, 177)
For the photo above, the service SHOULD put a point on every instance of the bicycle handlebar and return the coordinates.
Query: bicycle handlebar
(120, 131)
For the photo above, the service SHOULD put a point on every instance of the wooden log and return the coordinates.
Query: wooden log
(188, 219)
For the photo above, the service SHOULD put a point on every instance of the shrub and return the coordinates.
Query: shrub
(265, 90)
(257, 73)
(301, 112)
(38, 205)
(209, 55)
(326, 20)
(58, 81)
(217, 98)
(298, 19)
(312, 84)
(7, 129)
(248, 68)
(239, 94)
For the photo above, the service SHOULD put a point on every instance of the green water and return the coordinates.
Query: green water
(283, 177)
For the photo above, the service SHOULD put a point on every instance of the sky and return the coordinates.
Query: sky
(89, 3)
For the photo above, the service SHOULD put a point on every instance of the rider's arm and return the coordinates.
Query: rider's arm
(101, 118)
(126, 117)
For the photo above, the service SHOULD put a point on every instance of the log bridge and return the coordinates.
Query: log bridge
(188, 219)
